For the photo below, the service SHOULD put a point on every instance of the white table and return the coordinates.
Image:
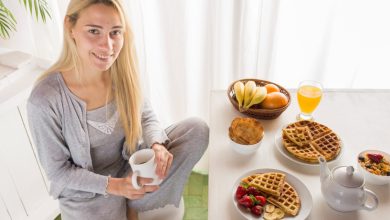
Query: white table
(360, 117)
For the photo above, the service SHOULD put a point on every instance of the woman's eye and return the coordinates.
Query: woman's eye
(93, 31)
(116, 32)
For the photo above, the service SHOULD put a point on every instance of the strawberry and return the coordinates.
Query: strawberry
(260, 200)
(247, 201)
(253, 191)
(240, 191)
(377, 158)
(257, 210)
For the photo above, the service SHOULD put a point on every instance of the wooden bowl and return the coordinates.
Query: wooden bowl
(256, 111)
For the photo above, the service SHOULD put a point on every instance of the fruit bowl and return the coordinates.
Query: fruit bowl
(256, 111)
(370, 177)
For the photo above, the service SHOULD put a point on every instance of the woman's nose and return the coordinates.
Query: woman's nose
(106, 42)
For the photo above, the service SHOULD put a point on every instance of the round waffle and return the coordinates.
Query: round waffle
(246, 131)
(306, 140)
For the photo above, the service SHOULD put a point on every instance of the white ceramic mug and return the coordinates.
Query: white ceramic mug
(142, 164)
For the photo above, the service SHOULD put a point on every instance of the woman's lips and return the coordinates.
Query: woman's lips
(102, 57)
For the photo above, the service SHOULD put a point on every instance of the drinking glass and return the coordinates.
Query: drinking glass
(309, 96)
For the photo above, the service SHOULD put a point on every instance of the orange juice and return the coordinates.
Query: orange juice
(308, 98)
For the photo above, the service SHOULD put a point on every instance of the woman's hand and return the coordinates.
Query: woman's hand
(124, 187)
(163, 159)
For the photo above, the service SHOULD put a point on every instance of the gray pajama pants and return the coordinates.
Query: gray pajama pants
(189, 140)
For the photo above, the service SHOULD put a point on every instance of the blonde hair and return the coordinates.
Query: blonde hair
(123, 72)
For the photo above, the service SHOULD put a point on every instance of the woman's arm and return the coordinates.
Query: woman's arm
(151, 129)
(156, 138)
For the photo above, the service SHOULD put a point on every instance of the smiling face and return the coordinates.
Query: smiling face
(98, 35)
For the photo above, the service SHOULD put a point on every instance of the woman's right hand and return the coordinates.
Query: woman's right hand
(124, 187)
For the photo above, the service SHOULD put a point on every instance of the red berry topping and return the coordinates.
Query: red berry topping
(241, 191)
(377, 158)
(261, 200)
(253, 191)
(257, 210)
(246, 201)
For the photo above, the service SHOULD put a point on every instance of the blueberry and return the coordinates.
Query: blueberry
(368, 165)
(388, 173)
(361, 158)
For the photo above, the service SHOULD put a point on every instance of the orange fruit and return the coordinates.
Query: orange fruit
(274, 100)
(272, 88)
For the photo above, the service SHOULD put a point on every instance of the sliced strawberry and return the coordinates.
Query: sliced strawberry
(257, 210)
(240, 191)
(377, 158)
(261, 200)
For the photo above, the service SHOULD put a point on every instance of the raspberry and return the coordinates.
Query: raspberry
(377, 158)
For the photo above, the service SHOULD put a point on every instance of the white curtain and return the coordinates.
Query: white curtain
(191, 47)
(187, 48)
(342, 43)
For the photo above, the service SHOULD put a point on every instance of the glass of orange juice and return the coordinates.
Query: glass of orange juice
(309, 96)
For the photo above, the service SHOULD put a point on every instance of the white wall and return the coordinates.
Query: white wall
(25, 39)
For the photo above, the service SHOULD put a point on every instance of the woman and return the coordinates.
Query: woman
(87, 116)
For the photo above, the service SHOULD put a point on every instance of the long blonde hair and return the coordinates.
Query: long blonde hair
(123, 72)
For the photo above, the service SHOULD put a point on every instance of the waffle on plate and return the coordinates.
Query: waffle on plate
(306, 140)
(270, 183)
(288, 201)
(278, 191)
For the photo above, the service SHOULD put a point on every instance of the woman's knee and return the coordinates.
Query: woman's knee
(191, 131)
(199, 127)
(199, 131)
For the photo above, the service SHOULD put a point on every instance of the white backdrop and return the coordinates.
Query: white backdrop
(188, 47)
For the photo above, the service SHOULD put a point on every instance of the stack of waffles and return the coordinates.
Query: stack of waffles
(307, 140)
(277, 191)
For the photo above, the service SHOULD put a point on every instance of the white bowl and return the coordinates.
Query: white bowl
(370, 177)
(245, 149)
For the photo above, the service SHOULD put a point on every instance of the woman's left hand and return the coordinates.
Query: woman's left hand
(163, 159)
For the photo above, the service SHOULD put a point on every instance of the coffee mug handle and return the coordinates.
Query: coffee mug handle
(372, 194)
(134, 180)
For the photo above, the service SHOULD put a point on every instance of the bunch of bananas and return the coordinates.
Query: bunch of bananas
(248, 94)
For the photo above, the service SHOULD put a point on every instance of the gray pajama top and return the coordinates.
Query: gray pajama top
(106, 137)
(58, 124)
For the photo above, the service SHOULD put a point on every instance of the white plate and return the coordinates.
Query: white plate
(286, 154)
(303, 192)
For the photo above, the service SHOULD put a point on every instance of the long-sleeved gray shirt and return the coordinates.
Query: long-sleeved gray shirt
(58, 124)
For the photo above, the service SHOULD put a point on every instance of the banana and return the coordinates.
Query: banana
(249, 90)
(259, 95)
(269, 208)
(239, 91)
(273, 213)
(277, 213)
(268, 216)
